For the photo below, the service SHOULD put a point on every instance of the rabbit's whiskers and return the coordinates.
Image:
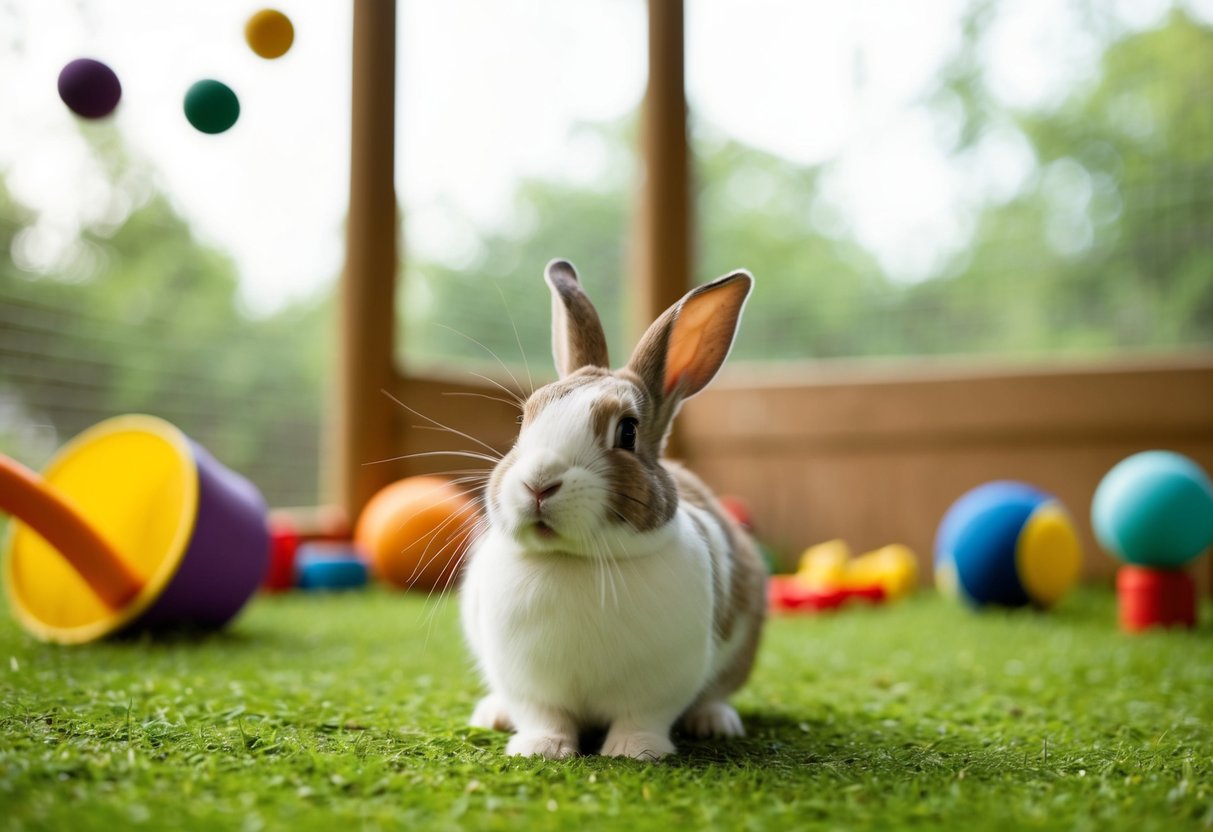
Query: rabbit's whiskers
(438, 424)
(495, 356)
(511, 402)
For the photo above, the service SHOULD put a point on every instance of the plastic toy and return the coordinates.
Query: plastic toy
(289, 531)
(823, 565)
(1155, 598)
(211, 106)
(829, 577)
(329, 566)
(828, 566)
(89, 88)
(269, 33)
(414, 532)
(787, 594)
(284, 548)
(1008, 544)
(1154, 511)
(133, 526)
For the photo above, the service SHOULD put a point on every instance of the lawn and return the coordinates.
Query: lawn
(347, 712)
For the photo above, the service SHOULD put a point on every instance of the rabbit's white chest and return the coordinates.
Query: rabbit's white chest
(595, 638)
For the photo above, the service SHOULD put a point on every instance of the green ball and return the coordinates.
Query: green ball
(211, 106)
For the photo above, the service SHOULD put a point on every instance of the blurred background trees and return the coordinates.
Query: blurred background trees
(144, 318)
(1103, 243)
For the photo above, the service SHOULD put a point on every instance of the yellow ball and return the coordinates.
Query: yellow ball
(269, 33)
(415, 532)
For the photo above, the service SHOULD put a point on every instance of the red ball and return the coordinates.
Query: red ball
(89, 88)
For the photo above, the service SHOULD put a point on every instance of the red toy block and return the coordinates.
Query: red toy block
(1155, 598)
(284, 543)
(787, 594)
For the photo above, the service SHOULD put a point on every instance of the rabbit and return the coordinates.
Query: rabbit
(609, 589)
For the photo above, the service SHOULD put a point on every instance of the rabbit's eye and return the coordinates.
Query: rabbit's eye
(625, 433)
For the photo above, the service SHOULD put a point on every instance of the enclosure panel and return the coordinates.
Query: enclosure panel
(878, 460)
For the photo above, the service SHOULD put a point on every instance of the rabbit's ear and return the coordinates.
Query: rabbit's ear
(681, 352)
(577, 337)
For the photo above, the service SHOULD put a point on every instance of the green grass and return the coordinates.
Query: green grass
(347, 712)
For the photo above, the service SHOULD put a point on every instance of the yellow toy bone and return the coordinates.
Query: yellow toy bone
(829, 566)
(823, 567)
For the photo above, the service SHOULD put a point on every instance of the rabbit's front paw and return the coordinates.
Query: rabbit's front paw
(491, 713)
(713, 719)
(639, 745)
(549, 746)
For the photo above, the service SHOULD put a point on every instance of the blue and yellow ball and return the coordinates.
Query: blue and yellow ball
(1007, 544)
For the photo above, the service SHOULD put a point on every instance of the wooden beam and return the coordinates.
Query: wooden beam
(662, 268)
(889, 405)
(365, 422)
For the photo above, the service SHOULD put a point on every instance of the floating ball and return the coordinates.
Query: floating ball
(89, 88)
(1009, 544)
(1154, 509)
(415, 532)
(269, 33)
(211, 106)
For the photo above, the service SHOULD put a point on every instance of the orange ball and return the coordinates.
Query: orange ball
(415, 532)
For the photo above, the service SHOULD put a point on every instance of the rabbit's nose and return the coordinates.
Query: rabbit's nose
(544, 491)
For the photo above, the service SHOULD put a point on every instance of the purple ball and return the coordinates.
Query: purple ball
(89, 88)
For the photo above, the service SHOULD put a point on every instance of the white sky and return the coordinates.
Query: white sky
(490, 90)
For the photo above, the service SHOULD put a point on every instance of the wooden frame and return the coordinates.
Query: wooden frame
(368, 422)
(366, 432)
(662, 269)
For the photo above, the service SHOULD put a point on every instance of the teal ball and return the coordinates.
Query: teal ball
(211, 106)
(1154, 509)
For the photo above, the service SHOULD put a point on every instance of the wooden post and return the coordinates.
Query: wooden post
(367, 364)
(662, 269)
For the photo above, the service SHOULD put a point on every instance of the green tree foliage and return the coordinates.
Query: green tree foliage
(1108, 245)
(499, 298)
(805, 299)
(813, 288)
(147, 319)
(1105, 246)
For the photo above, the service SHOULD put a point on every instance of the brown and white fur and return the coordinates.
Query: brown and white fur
(609, 589)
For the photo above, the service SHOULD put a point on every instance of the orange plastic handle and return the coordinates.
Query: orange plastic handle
(26, 496)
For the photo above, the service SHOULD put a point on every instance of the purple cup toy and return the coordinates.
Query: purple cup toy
(188, 536)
